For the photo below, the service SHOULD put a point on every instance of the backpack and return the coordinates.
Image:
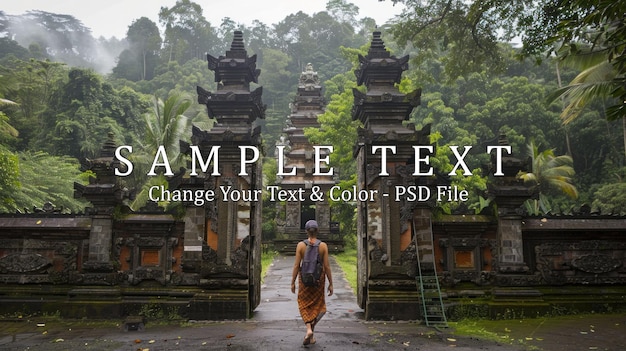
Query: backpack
(311, 268)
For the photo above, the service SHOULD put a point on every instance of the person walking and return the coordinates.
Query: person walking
(311, 299)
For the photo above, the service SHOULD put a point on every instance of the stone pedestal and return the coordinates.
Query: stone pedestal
(509, 193)
(100, 240)
(510, 244)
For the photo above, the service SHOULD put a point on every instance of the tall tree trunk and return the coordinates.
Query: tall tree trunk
(565, 128)
(143, 73)
(624, 133)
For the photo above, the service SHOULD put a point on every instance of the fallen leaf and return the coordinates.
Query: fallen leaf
(527, 338)
(151, 342)
(204, 343)
(230, 336)
(583, 332)
(451, 339)
(406, 343)
(137, 341)
(59, 340)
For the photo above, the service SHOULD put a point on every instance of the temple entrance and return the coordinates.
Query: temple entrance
(204, 262)
(307, 212)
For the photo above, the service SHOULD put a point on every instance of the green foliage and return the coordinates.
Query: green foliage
(7, 132)
(164, 126)
(267, 257)
(278, 83)
(336, 125)
(474, 88)
(9, 181)
(465, 34)
(549, 172)
(268, 212)
(188, 34)
(475, 183)
(337, 129)
(610, 198)
(138, 62)
(31, 85)
(347, 260)
(45, 178)
(597, 30)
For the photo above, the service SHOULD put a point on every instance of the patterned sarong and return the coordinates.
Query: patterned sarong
(311, 300)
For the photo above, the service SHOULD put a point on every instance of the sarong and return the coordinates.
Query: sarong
(311, 300)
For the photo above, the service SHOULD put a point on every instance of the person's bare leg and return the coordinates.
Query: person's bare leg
(309, 334)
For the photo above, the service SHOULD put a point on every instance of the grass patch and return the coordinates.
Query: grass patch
(266, 259)
(347, 260)
(478, 329)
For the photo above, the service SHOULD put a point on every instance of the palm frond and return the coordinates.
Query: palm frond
(596, 82)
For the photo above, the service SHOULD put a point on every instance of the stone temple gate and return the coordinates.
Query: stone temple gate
(111, 262)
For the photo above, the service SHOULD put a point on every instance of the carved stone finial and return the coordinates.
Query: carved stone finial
(377, 42)
(237, 44)
(309, 76)
(108, 149)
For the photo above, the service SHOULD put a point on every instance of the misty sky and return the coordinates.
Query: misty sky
(110, 18)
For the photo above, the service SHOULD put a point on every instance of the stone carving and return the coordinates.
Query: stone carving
(596, 264)
(240, 256)
(208, 254)
(23, 263)
(293, 212)
(309, 77)
(408, 259)
(581, 262)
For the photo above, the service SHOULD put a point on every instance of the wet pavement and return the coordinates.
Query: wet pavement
(276, 325)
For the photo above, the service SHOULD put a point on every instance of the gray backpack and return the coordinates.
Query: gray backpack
(311, 268)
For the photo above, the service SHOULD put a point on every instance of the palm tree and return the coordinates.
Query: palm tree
(598, 81)
(165, 125)
(551, 174)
